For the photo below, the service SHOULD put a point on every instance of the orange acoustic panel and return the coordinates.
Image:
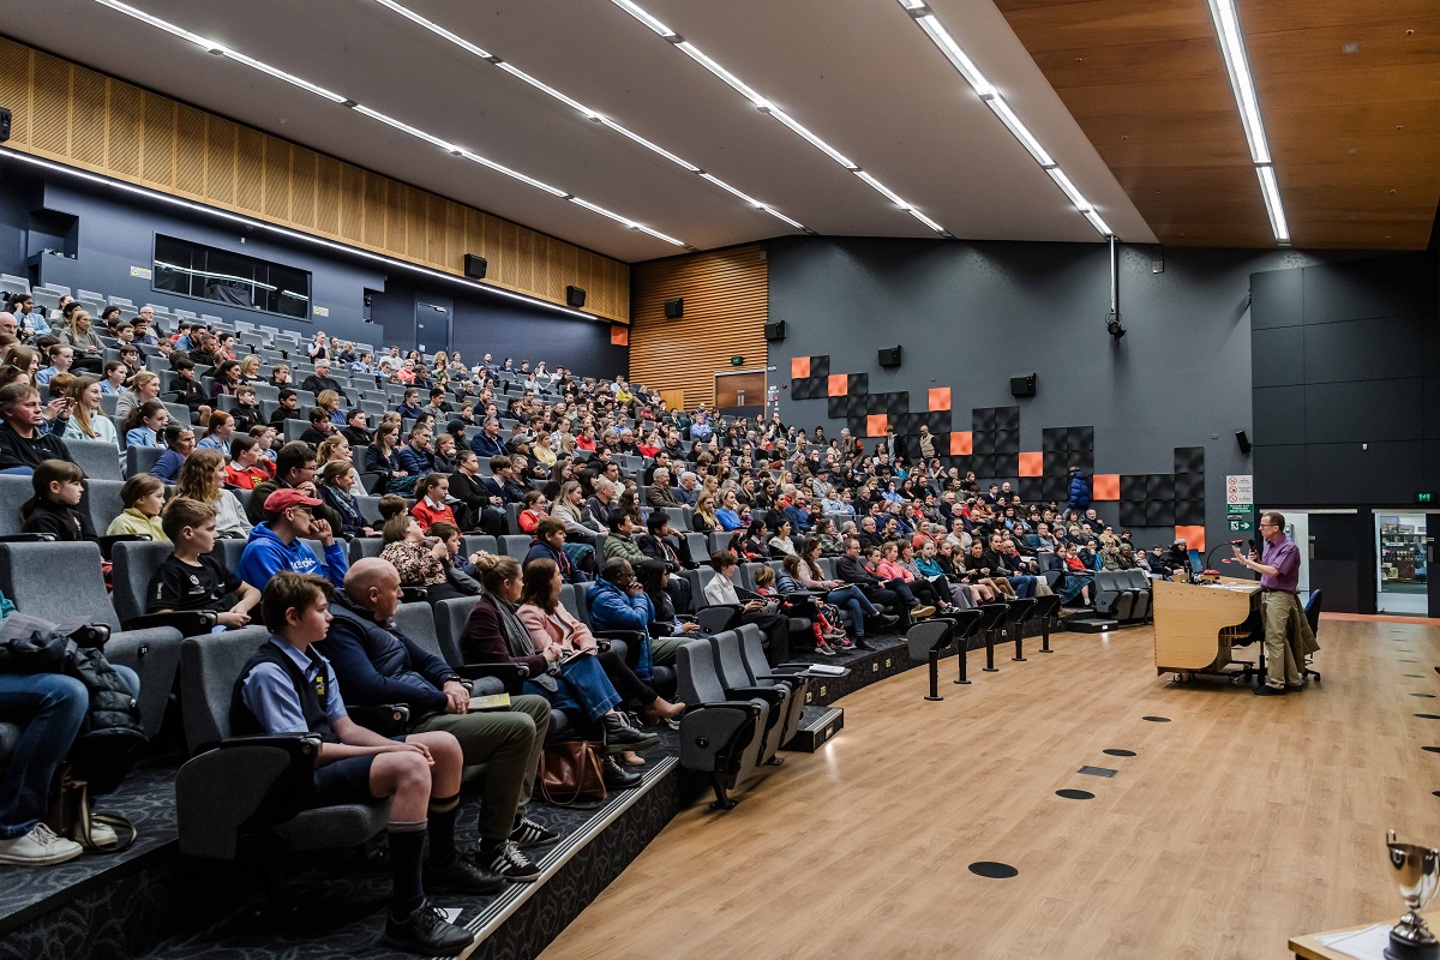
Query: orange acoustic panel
(1194, 537)
(875, 425)
(620, 336)
(939, 398)
(799, 368)
(1105, 486)
(962, 443)
(839, 384)
(1032, 465)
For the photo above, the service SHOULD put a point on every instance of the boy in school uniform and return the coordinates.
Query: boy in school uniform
(286, 687)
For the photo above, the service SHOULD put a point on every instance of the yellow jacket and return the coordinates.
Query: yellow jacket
(133, 522)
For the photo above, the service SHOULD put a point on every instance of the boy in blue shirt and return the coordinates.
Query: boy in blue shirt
(286, 687)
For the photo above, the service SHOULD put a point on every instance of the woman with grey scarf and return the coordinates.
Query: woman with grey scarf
(578, 686)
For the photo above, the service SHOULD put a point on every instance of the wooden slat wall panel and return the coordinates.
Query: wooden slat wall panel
(68, 113)
(726, 305)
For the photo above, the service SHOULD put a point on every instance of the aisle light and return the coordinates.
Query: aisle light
(764, 105)
(1242, 84)
(589, 113)
(219, 49)
(925, 18)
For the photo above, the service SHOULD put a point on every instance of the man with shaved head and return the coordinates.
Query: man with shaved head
(376, 664)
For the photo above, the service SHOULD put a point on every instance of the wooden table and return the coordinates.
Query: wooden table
(1308, 947)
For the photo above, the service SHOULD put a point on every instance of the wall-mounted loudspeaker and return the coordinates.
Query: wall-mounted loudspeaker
(890, 357)
(475, 266)
(775, 332)
(1242, 438)
(4, 124)
(575, 297)
(1023, 386)
(675, 309)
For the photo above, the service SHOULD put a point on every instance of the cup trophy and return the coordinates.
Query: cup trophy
(1417, 874)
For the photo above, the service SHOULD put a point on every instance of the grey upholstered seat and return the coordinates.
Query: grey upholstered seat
(14, 491)
(785, 709)
(515, 545)
(718, 736)
(141, 459)
(100, 459)
(62, 582)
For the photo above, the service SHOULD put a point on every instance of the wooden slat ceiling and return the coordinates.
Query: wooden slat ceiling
(1355, 135)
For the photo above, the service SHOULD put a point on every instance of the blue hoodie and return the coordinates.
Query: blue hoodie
(266, 555)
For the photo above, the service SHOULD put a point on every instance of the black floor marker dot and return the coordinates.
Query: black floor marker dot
(1435, 793)
(1427, 696)
(993, 870)
(1075, 794)
(1117, 752)
(1419, 675)
(1428, 716)
(1431, 749)
(1403, 660)
(1157, 719)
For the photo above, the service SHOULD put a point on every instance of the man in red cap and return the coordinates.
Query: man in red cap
(278, 543)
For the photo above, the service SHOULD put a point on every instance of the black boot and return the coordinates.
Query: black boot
(620, 736)
(618, 778)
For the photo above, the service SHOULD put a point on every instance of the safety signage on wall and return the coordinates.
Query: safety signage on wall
(1240, 490)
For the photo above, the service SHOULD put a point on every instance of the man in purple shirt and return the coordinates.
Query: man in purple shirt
(1288, 637)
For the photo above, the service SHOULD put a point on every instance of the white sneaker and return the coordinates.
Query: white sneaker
(39, 848)
(102, 835)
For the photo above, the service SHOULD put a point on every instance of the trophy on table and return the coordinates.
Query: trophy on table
(1417, 874)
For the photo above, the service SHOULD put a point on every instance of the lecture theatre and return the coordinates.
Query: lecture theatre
(837, 479)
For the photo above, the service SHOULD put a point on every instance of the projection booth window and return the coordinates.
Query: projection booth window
(195, 270)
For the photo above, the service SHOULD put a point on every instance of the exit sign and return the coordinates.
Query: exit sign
(1425, 496)
(736, 361)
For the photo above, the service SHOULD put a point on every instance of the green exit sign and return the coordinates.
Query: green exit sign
(736, 361)
(1425, 496)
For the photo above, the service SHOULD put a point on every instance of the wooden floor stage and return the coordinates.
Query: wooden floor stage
(1242, 821)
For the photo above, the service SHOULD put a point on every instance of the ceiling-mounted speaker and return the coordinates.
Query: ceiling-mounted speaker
(1023, 386)
(4, 124)
(475, 266)
(1243, 438)
(675, 309)
(890, 357)
(575, 297)
(775, 332)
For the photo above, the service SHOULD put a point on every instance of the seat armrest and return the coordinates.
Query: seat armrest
(769, 694)
(28, 538)
(513, 675)
(413, 594)
(107, 544)
(191, 623)
(386, 719)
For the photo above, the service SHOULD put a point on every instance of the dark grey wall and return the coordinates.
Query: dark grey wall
(117, 230)
(972, 315)
(1347, 382)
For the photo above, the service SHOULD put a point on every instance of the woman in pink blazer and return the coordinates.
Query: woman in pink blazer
(550, 624)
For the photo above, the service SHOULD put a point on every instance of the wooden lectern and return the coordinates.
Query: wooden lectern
(1196, 624)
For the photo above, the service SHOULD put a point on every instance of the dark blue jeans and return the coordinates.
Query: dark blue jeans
(50, 707)
(584, 689)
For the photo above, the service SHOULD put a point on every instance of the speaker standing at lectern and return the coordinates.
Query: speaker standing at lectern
(1288, 637)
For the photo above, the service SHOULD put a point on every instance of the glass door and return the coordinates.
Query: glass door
(1402, 558)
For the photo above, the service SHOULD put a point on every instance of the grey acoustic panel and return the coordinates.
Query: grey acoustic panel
(820, 366)
(1159, 513)
(1364, 412)
(1279, 415)
(1190, 512)
(1432, 465)
(1343, 473)
(1280, 474)
(1388, 348)
(1276, 299)
(1277, 357)
(1160, 486)
(1390, 286)
(1430, 416)
(982, 419)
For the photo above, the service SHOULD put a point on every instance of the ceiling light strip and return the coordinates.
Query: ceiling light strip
(925, 18)
(588, 112)
(1242, 83)
(157, 196)
(219, 49)
(764, 105)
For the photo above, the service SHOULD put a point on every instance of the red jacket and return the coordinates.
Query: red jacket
(426, 514)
